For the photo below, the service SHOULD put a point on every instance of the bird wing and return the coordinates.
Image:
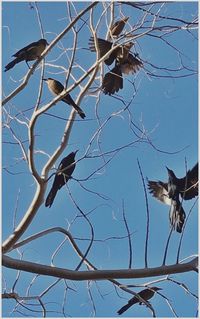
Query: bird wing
(104, 47)
(66, 170)
(159, 190)
(189, 184)
(25, 49)
(131, 64)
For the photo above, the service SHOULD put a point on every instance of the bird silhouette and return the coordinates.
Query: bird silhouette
(29, 53)
(145, 294)
(64, 172)
(170, 192)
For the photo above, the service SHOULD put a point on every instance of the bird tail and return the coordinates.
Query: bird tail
(177, 216)
(112, 81)
(123, 309)
(12, 63)
(79, 110)
(71, 102)
(51, 196)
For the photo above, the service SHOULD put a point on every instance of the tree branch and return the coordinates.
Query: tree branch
(97, 274)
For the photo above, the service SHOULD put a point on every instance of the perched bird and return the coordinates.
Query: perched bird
(118, 27)
(65, 170)
(169, 193)
(29, 53)
(145, 294)
(56, 88)
(125, 63)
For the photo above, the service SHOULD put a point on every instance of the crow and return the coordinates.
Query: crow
(64, 172)
(169, 193)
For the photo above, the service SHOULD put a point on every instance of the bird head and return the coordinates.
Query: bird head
(48, 80)
(125, 19)
(129, 45)
(43, 41)
(170, 173)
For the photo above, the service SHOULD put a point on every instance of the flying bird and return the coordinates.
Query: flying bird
(64, 172)
(113, 80)
(145, 294)
(29, 53)
(170, 192)
(56, 88)
(120, 52)
(125, 63)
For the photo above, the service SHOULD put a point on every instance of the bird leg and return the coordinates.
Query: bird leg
(28, 65)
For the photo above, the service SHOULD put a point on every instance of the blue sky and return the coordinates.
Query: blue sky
(166, 107)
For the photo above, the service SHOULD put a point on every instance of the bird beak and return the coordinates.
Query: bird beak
(126, 19)
(167, 168)
(159, 288)
(44, 79)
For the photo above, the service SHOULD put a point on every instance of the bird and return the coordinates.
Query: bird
(145, 294)
(170, 192)
(63, 174)
(118, 27)
(113, 80)
(56, 88)
(29, 53)
(120, 52)
(125, 63)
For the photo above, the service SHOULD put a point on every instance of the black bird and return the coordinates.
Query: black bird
(169, 193)
(125, 63)
(65, 170)
(118, 27)
(56, 88)
(29, 53)
(145, 294)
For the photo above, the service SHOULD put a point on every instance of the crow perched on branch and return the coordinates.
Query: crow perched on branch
(29, 53)
(125, 63)
(56, 88)
(145, 294)
(169, 193)
(65, 170)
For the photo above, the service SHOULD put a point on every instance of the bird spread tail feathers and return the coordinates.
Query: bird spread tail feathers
(112, 81)
(51, 196)
(177, 216)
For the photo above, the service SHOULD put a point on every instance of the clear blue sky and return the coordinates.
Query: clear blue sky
(166, 107)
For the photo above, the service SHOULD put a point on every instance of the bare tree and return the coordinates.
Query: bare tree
(48, 267)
